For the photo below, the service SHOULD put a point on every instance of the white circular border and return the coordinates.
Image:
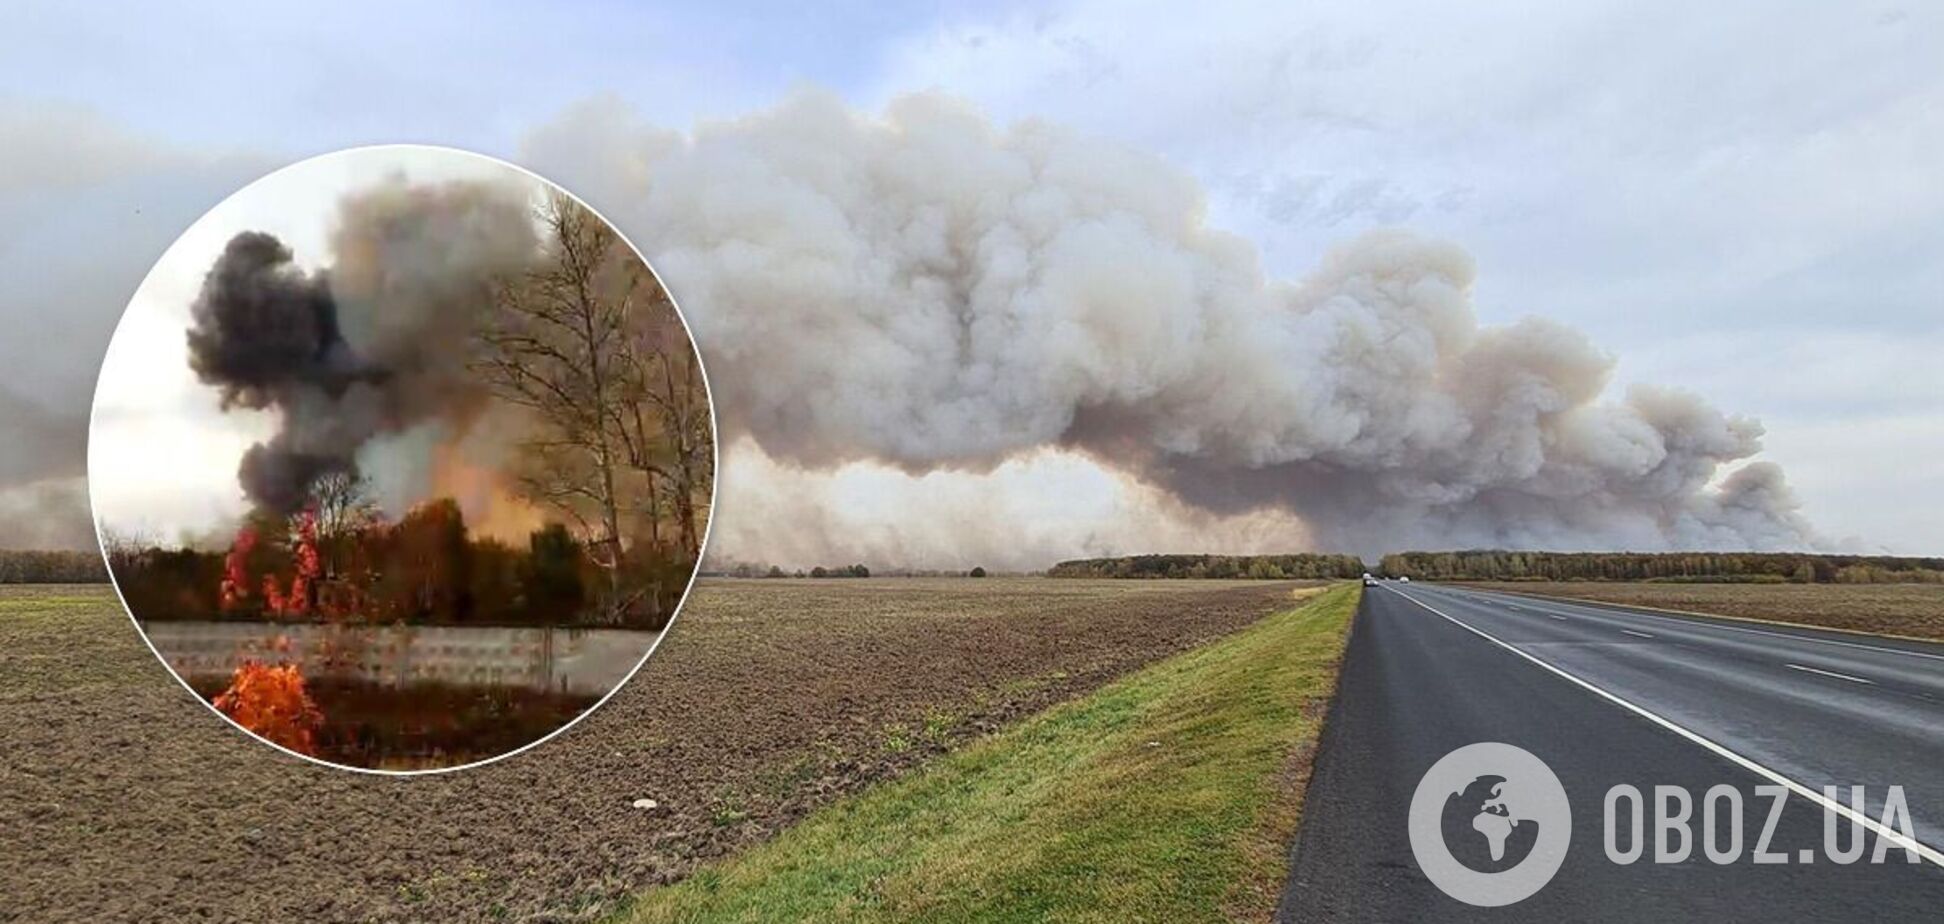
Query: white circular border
(702, 550)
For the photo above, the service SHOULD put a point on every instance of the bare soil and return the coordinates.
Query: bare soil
(1915, 610)
(122, 798)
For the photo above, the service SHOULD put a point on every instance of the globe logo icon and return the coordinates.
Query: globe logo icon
(1483, 830)
(1490, 824)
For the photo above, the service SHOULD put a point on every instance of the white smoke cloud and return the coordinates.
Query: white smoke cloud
(47, 514)
(1032, 510)
(926, 290)
(85, 208)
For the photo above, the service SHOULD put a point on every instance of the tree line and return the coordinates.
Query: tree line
(748, 569)
(51, 567)
(1259, 567)
(1698, 567)
(423, 569)
(753, 570)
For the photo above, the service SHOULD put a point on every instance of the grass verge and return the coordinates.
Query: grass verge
(1169, 795)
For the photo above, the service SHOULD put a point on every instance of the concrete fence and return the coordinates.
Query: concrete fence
(584, 661)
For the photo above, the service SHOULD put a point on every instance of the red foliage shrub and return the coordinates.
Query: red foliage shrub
(236, 574)
(272, 702)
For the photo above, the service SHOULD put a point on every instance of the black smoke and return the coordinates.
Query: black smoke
(374, 344)
(266, 334)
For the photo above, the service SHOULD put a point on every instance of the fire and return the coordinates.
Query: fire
(491, 507)
(272, 701)
(300, 599)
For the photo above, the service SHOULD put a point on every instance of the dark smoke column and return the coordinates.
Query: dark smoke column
(266, 334)
(367, 347)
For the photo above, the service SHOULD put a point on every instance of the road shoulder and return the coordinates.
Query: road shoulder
(1163, 796)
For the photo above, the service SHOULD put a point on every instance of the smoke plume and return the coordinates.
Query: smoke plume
(926, 290)
(41, 442)
(43, 497)
(371, 346)
(46, 514)
(1026, 513)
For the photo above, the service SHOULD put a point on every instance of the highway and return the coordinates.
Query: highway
(1606, 695)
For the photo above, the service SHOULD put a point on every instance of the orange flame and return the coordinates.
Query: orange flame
(491, 507)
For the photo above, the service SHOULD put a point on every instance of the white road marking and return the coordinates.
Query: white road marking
(1813, 670)
(1702, 621)
(1890, 834)
(1557, 616)
(1632, 632)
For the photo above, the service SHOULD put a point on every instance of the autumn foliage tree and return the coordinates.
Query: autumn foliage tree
(428, 568)
(272, 701)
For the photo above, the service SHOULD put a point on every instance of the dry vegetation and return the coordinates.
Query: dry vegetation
(1894, 609)
(121, 798)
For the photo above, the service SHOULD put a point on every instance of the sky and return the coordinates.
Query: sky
(1740, 199)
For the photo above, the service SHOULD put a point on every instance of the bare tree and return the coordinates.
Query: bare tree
(590, 343)
(668, 432)
(557, 344)
(341, 502)
(123, 548)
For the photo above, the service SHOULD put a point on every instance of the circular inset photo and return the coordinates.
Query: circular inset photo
(402, 459)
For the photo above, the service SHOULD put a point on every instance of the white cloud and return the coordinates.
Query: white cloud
(1610, 164)
(1888, 468)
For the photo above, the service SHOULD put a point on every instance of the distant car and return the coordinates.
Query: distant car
(1369, 581)
(1403, 580)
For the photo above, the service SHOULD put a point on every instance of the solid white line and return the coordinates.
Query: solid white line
(1701, 620)
(1632, 632)
(1890, 834)
(1812, 670)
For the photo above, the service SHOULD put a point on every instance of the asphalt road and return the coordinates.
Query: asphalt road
(1606, 696)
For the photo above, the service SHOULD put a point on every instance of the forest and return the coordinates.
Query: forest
(1260, 567)
(57, 567)
(423, 569)
(1698, 567)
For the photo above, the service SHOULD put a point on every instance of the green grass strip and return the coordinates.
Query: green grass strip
(1169, 795)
